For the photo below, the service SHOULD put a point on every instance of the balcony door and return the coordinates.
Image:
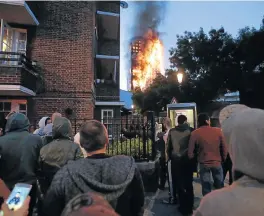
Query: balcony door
(13, 40)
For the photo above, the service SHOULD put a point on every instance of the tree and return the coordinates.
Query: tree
(217, 62)
(205, 59)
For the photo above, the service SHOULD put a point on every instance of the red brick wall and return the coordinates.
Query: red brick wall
(10, 77)
(62, 44)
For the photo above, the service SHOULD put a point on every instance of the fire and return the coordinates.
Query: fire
(149, 61)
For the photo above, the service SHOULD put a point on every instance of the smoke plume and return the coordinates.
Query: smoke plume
(149, 14)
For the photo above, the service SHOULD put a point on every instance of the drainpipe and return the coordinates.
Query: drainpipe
(1, 34)
(115, 73)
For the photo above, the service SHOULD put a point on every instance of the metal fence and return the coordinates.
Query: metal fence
(128, 136)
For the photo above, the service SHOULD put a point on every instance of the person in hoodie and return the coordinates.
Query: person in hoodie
(181, 167)
(243, 132)
(116, 178)
(58, 152)
(19, 152)
(91, 204)
(42, 123)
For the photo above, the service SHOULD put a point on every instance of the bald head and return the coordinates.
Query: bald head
(55, 115)
(93, 136)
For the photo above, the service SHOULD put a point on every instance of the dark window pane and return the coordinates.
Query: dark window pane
(7, 106)
(22, 107)
(1, 106)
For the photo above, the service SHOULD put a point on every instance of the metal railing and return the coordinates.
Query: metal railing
(130, 137)
(13, 62)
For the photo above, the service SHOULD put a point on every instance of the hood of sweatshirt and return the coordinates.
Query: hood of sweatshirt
(17, 122)
(109, 176)
(61, 128)
(244, 134)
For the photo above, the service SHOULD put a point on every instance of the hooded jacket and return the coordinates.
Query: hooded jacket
(116, 178)
(58, 152)
(244, 135)
(19, 152)
(42, 125)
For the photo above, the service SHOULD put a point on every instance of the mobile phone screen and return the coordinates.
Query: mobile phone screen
(18, 196)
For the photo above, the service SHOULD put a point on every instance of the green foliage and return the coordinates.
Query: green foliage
(133, 147)
(213, 63)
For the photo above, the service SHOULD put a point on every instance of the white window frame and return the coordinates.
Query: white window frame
(108, 117)
(15, 104)
(5, 111)
(23, 111)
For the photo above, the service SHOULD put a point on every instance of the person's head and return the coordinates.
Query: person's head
(182, 119)
(47, 121)
(31, 129)
(203, 120)
(17, 122)
(243, 133)
(167, 123)
(43, 122)
(54, 116)
(91, 204)
(17, 194)
(93, 136)
(61, 128)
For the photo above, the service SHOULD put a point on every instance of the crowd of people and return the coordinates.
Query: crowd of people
(73, 175)
(236, 147)
(64, 180)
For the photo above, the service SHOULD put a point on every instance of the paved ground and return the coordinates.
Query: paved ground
(155, 207)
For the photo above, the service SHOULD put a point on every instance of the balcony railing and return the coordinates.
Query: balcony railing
(19, 70)
(107, 98)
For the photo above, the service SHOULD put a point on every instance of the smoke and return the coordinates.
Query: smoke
(149, 14)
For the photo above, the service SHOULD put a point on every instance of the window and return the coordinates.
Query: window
(107, 117)
(23, 108)
(5, 107)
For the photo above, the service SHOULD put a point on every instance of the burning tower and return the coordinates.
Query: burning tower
(146, 60)
(147, 50)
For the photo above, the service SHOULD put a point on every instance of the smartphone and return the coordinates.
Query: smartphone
(18, 196)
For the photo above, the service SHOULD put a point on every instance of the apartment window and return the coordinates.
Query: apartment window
(23, 108)
(14, 39)
(5, 107)
(107, 119)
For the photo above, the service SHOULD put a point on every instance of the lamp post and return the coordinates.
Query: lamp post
(180, 77)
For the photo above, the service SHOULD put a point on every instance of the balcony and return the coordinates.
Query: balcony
(18, 75)
(17, 12)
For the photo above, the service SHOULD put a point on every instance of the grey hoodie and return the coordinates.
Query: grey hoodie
(116, 178)
(244, 135)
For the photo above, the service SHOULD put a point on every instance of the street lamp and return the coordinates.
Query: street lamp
(180, 77)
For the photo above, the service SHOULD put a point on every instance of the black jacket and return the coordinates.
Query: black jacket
(116, 178)
(19, 151)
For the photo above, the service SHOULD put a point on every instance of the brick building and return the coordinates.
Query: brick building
(59, 55)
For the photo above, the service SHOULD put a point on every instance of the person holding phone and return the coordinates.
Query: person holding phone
(23, 211)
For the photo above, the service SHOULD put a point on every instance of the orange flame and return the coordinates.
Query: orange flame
(149, 61)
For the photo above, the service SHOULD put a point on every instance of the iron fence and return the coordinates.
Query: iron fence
(127, 136)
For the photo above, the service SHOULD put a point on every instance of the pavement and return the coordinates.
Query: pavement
(155, 207)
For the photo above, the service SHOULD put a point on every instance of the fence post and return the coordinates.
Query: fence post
(151, 119)
(75, 123)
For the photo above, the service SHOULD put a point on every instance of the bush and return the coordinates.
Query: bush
(132, 147)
